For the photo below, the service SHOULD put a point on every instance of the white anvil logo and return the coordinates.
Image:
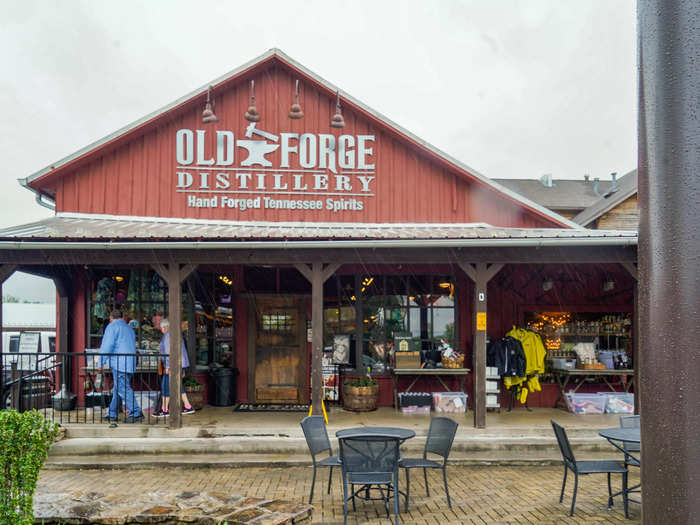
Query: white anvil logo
(257, 149)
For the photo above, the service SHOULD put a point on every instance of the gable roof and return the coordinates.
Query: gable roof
(36, 180)
(625, 188)
(563, 195)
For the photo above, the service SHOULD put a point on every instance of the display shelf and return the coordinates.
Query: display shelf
(591, 334)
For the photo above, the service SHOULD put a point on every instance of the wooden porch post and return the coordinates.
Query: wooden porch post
(174, 274)
(480, 274)
(64, 283)
(632, 270)
(316, 275)
(5, 271)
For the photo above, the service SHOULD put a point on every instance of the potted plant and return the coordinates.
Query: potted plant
(360, 393)
(195, 391)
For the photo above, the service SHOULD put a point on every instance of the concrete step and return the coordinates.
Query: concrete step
(234, 460)
(118, 452)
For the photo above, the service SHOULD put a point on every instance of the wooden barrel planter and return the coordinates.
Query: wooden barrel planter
(360, 398)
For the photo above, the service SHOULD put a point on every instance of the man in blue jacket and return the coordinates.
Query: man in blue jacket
(118, 351)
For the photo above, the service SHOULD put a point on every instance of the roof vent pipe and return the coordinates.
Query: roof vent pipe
(596, 186)
(613, 175)
(547, 180)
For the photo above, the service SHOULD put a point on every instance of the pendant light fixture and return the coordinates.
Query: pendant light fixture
(208, 113)
(337, 121)
(252, 114)
(295, 111)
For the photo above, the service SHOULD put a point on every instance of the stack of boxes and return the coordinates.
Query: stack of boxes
(492, 387)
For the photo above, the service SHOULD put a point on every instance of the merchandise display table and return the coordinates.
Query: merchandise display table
(564, 376)
(417, 373)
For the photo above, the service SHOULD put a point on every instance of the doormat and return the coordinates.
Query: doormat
(271, 407)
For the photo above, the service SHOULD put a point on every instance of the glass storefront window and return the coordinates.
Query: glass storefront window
(422, 306)
(142, 296)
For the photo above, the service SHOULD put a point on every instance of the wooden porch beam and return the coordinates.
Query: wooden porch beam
(329, 270)
(6, 270)
(174, 275)
(175, 318)
(631, 268)
(317, 275)
(304, 270)
(504, 255)
(480, 273)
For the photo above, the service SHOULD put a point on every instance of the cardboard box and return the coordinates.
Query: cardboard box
(407, 360)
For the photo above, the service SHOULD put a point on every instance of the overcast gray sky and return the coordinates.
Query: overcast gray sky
(514, 89)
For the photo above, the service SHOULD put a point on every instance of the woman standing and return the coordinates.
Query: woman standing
(165, 383)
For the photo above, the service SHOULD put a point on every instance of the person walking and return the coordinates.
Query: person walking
(165, 382)
(118, 352)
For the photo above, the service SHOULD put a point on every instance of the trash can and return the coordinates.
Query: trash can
(223, 386)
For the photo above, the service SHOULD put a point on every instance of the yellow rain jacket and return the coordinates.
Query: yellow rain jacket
(533, 348)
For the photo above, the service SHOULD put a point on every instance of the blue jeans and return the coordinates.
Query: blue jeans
(165, 386)
(122, 392)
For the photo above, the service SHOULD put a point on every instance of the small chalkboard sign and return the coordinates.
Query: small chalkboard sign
(29, 342)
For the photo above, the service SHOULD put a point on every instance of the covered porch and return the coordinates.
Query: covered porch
(67, 248)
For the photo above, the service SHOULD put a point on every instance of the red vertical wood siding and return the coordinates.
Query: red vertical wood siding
(138, 177)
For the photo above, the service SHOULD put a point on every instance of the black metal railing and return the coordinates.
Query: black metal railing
(74, 388)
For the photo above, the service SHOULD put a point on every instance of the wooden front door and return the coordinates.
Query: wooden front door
(280, 351)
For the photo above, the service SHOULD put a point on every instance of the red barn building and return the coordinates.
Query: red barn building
(271, 232)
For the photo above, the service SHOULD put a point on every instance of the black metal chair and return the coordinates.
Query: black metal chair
(630, 422)
(314, 428)
(368, 461)
(439, 442)
(587, 467)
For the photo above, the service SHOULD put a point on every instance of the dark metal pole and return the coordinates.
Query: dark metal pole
(669, 257)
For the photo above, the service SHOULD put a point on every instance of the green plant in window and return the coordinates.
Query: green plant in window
(190, 382)
(365, 380)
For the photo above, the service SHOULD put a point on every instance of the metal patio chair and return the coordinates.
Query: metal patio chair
(630, 422)
(439, 442)
(314, 428)
(587, 467)
(370, 461)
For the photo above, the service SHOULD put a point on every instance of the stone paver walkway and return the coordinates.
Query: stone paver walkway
(528, 494)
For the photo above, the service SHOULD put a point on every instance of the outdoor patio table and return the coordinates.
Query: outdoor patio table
(401, 433)
(630, 435)
(394, 432)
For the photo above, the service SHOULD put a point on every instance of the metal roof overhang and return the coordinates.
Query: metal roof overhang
(331, 243)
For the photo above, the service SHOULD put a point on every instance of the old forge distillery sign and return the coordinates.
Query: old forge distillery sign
(315, 171)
